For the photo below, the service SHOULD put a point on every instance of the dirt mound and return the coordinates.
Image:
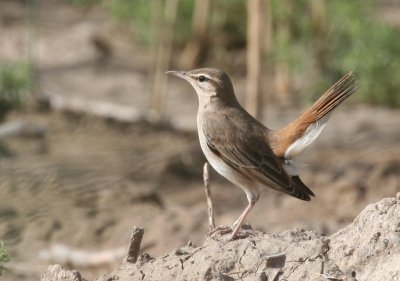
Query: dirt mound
(367, 249)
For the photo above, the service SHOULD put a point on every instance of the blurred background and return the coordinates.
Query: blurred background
(95, 138)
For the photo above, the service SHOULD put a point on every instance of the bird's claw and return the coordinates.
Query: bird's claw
(224, 229)
(242, 234)
(221, 230)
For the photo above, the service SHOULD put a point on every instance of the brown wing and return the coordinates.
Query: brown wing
(240, 143)
(335, 95)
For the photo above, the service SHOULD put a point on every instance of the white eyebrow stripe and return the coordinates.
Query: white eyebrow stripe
(201, 74)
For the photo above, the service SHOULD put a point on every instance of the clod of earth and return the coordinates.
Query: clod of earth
(367, 249)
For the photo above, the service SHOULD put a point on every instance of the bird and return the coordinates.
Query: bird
(246, 152)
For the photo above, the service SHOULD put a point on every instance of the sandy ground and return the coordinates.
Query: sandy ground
(89, 181)
(367, 249)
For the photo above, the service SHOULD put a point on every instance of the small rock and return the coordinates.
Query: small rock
(247, 226)
(57, 272)
(143, 258)
(349, 252)
(180, 252)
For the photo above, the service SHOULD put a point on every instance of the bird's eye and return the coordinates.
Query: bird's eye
(202, 78)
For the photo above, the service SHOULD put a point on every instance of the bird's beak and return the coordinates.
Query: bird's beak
(180, 74)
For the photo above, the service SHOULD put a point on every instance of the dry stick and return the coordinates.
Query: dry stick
(163, 58)
(134, 246)
(282, 74)
(195, 47)
(255, 18)
(206, 178)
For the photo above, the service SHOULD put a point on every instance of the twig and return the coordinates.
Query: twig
(206, 178)
(163, 56)
(134, 246)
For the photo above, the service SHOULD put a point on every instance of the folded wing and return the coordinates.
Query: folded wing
(243, 148)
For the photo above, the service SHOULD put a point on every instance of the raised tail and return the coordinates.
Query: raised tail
(340, 91)
(297, 135)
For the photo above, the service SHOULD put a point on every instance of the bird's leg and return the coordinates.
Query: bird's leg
(252, 197)
(206, 179)
(221, 229)
(238, 220)
(238, 223)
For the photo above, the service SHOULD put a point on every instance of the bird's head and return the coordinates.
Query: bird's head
(210, 84)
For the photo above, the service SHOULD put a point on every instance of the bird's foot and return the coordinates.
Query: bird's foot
(224, 229)
(221, 230)
(242, 234)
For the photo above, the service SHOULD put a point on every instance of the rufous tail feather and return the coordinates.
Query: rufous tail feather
(282, 139)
